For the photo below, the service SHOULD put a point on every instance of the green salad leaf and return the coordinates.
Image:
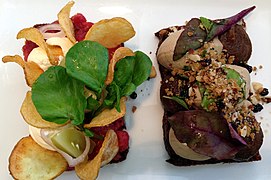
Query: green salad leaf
(207, 23)
(132, 71)
(179, 100)
(92, 104)
(87, 61)
(142, 68)
(124, 70)
(58, 97)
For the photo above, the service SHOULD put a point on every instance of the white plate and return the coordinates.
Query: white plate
(146, 159)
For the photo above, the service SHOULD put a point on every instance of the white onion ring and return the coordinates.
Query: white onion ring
(71, 161)
(51, 27)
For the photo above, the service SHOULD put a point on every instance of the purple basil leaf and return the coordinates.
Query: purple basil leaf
(191, 38)
(205, 133)
(235, 135)
(222, 25)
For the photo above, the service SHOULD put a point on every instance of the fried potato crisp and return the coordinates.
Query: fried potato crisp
(111, 32)
(89, 170)
(34, 35)
(119, 54)
(30, 161)
(153, 72)
(65, 21)
(31, 115)
(108, 116)
(17, 59)
(31, 70)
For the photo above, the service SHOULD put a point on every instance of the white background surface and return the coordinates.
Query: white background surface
(146, 159)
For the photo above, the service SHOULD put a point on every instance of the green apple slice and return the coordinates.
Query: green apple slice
(71, 141)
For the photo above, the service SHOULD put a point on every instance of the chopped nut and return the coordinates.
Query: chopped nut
(134, 109)
(190, 33)
(257, 87)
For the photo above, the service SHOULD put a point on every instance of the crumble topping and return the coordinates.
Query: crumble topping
(206, 77)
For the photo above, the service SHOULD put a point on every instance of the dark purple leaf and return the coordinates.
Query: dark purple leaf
(191, 38)
(205, 133)
(222, 25)
(235, 135)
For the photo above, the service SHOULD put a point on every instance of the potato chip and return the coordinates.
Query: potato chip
(31, 115)
(108, 116)
(55, 52)
(32, 71)
(119, 54)
(111, 32)
(34, 35)
(153, 72)
(89, 170)
(29, 161)
(17, 59)
(65, 21)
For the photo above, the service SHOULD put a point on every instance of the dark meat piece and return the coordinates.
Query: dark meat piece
(237, 43)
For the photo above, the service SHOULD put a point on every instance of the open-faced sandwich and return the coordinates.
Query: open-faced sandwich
(205, 91)
(80, 75)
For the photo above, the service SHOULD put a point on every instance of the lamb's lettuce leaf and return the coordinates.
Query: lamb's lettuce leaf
(132, 71)
(87, 61)
(58, 97)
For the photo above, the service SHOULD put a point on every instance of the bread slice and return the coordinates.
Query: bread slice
(247, 153)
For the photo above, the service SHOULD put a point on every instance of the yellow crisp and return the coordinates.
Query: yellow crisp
(30, 161)
(65, 21)
(108, 116)
(89, 170)
(119, 54)
(31, 115)
(111, 32)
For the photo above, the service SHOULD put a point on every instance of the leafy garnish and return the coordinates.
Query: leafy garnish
(205, 133)
(192, 37)
(206, 100)
(113, 96)
(132, 71)
(207, 23)
(222, 25)
(58, 97)
(92, 104)
(87, 61)
(142, 68)
(124, 71)
(178, 100)
(232, 74)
